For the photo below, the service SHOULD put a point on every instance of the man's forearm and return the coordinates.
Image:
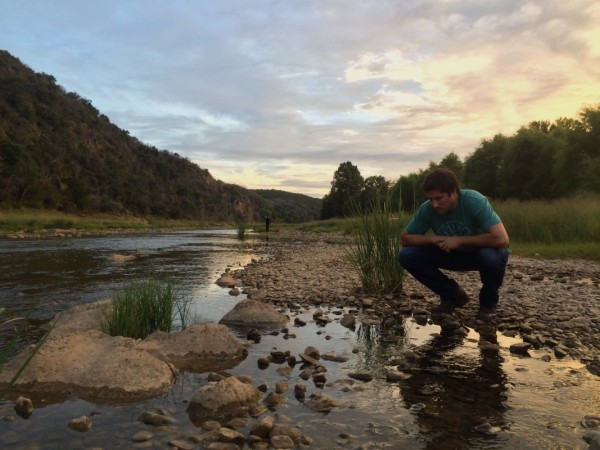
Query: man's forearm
(496, 237)
(416, 240)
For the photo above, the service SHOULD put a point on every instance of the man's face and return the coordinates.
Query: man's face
(442, 202)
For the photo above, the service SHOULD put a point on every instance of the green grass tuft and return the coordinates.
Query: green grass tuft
(375, 247)
(143, 306)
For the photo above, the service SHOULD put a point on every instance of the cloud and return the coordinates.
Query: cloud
(266, 93)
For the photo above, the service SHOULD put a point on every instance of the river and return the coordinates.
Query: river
(459, 396)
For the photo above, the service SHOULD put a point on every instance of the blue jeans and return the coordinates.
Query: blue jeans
(424, 263)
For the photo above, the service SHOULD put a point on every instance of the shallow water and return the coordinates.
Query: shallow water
(459, 396)
(55, 274)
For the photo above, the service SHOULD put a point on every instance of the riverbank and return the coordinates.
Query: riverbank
(21, 224)
(548, 303)
(394, 379)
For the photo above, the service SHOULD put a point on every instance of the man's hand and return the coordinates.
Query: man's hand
(447, 243)
(495, 237)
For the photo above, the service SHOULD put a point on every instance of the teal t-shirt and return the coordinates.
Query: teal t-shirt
(473, 215)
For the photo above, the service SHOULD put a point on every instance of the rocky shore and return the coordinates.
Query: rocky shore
(552, 303)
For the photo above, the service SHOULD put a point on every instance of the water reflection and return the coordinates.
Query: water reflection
(456, 396)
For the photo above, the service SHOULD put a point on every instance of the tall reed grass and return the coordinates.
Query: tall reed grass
(375, 246)
(559, 222)
(143, 306)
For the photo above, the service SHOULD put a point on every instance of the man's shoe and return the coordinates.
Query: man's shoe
(446, 307)
(486, 314)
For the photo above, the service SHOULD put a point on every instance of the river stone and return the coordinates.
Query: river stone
(199, 347)
(274, 399)
(520, 348)
(180, 444)
(227, 280)
(348, 320)
(84, 317)
(292, 432)
(230, 436)
(593, 439)
(81, 424)
(142, 436)
(92, 365)
(155, 418)
(321, 403)
(220, 400)
(281, 442)
(252, 312)
(24, 406)
(263, 427)
(362, 376)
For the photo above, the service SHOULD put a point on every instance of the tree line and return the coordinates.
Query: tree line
(541, 161)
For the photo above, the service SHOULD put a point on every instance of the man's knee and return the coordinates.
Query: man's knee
(493, 258)
(408, 256)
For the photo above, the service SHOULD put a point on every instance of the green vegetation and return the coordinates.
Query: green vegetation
(32, 221)
(374, 249)
(144, 306)
(242, 230)
(563, 228)
(564, 221)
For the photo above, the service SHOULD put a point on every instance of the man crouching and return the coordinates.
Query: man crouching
(468, 235)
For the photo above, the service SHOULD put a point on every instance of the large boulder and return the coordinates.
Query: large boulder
(91, 365)
(200, 347)
(222, 400)
(254, 313)
(78, 358)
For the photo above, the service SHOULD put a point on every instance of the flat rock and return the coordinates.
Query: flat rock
(91, 365)
(199, 347)
(78, 358)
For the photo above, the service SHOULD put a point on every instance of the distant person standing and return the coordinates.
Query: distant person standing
(468, 235)
(267, 223)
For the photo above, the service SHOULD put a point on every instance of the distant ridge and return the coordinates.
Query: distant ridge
(57, 151)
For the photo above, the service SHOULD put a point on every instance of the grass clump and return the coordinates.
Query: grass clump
(375, 246)
(143, 306)
(242, 230)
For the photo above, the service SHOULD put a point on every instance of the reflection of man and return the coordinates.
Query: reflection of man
(453, 393)
(468, 235)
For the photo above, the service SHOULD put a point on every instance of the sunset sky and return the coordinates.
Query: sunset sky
(276, 94)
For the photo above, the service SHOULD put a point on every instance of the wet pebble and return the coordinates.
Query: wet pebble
(142, 436)
(81, 424)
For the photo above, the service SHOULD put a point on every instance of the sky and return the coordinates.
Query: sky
(275, 94)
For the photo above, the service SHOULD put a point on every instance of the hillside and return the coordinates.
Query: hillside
(290, 207)
(57, 151)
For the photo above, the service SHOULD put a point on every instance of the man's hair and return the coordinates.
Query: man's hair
(441, 179)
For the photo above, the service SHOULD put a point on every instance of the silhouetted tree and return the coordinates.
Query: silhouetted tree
(346, 187)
